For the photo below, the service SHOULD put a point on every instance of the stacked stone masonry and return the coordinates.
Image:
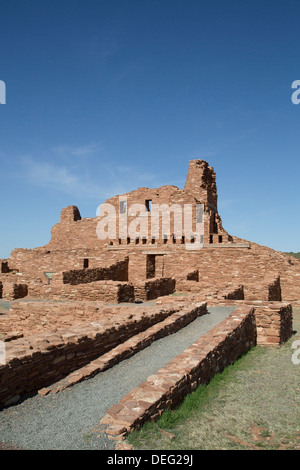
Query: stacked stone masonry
(40, 356)
(196, 366)
(75, 253)
(37, 360)
(67, 297)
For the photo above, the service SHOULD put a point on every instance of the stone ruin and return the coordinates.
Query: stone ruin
(77, 265)
(75, 299)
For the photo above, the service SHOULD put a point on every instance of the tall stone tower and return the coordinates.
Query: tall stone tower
(201, 183)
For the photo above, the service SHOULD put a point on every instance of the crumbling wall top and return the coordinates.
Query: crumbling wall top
(70, 214)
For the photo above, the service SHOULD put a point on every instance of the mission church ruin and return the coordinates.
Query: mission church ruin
(75, 256)
(81, 296)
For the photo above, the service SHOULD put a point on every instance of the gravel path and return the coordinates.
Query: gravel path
(66, 421)
(4, 306)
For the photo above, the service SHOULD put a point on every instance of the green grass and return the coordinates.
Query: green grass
(297, 255)
(252, 404)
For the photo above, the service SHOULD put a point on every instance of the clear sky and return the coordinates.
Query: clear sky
(104, 96)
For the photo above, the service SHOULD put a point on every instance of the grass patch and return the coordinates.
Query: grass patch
(292, 253)
(252, 404)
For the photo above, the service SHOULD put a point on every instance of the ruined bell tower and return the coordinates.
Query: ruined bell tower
(201, 183)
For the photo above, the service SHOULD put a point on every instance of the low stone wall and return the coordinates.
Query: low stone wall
(39, 360)
(221, 346)
(235, 293)
(142, 340)
(12, 290)
(115, 272)
(193, 275)
(188, 275)
(4, 266)
(104, 291)
(268, 289)
(28, 318)
(153, 288)
(274, 322)
(262, 323)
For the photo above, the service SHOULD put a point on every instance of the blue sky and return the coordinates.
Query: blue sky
(106, 96)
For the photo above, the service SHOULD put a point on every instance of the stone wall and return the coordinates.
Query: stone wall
(12, 290)
(62, 346)
(105, 291)
(197, 365)
(215, 350)
(42, 359)
(274, 322)
(115, 272)
(234, 293)
(223, 260)
(257, 268)
(4, 266)
(31, 317)
(34, 263)
(148, 290)
(268, 289)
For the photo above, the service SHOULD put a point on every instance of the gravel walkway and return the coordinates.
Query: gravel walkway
(4, 306)
(66, 421)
